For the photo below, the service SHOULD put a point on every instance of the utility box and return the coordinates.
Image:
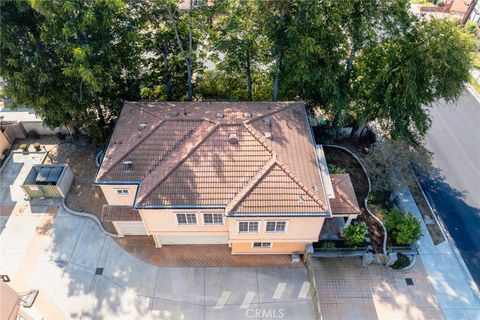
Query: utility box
(48, 181)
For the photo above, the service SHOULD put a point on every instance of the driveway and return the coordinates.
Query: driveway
(14, 172)
(83, 274)
(347, 291)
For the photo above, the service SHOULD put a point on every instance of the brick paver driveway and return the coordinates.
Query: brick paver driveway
(347, 291)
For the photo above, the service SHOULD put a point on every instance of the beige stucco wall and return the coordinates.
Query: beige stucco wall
(110, 193)
(304, 229)
(165, 220)
(277, 247)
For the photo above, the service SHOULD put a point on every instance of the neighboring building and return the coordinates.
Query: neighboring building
(246, 175)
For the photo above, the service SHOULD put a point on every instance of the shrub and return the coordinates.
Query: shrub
(37, 146)
(336, 170)
(376, 197)
(440, 3)
(471, 28)
(355, 235)
(33, 134)
(403, 227)
(24, 147)
(402, 261)
(328, 245)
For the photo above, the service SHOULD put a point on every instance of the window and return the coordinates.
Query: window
(186, 218)
(122, 192)
(212, 218)
(248, 226)
(276, 226)
(262, 245)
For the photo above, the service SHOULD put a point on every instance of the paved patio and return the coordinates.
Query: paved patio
(143, 247)
(347, 291)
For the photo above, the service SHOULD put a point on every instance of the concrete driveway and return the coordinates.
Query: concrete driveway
(60, 254)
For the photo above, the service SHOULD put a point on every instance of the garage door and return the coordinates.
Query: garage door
(131, 228)
(203, 238)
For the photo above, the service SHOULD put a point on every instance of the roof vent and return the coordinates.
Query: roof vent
(174, 114)
(267, 121)
(233, 138)
(128, 165)
(268, 135)
(301, 200)
(247, 115)
(219, 115)
(142, 126)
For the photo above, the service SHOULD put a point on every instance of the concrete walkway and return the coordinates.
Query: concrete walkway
(454, 287)
(60, 254)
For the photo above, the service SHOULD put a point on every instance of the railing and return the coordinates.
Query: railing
(339, 252)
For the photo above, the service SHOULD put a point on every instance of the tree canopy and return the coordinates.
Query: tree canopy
(361, 61)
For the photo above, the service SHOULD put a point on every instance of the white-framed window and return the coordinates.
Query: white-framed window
(276, 226)
(262, 245)
(122, 192)
(248, 227)
(186, 218)
(213, 218)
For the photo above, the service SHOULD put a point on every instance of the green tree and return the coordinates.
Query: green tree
(355, 235)
(239, 41)
(74, 62)
(399, 78)
(403, 227)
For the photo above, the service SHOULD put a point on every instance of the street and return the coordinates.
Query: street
(454, 191)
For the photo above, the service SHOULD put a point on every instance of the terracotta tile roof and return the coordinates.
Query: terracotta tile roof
(182, 156)
(345, 201)
(120, 213)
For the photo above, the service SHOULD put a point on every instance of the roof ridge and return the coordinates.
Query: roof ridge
(252, 183)
(263, 141)
(283, 108)
(301, 185)
(128, 151)
(348, 202)
(184, 150)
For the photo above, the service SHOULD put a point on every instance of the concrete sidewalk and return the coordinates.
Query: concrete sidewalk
(454, 287)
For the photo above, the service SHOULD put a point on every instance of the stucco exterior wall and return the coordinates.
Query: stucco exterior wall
(304, 229)
(277, 247)
(110, 193)
(165, 220)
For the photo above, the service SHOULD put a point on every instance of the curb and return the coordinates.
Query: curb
(474, 92)
(369, 190)
(90, 216)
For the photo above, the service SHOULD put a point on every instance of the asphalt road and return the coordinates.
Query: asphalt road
(454, 138)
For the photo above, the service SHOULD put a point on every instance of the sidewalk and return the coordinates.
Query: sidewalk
(454, 287)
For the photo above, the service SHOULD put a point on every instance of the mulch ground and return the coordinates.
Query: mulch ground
(343, 159)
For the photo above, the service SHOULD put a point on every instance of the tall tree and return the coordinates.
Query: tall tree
(402, 76)
(72, 61)
(240, 41)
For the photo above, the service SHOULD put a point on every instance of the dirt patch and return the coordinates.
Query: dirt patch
(343, 159)
(430, 221)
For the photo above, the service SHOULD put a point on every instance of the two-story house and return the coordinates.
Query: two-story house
(243, 174)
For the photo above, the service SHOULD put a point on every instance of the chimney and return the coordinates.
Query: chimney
(268, 135)
(219, 115)
(142, 126)
(247, 115)
(233, 138)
